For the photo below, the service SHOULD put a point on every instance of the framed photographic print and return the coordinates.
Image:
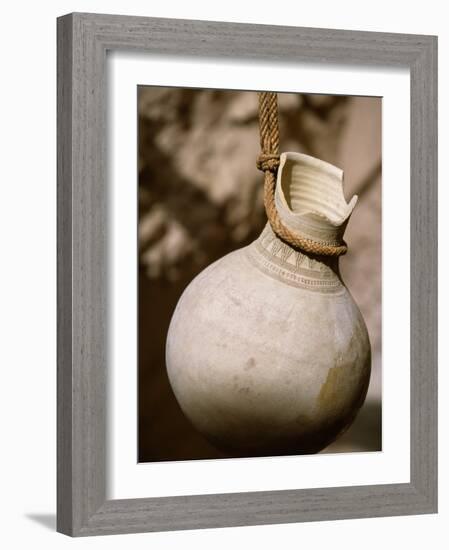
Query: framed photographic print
(247, 283)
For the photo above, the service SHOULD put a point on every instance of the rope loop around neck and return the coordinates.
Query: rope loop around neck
(268, 162)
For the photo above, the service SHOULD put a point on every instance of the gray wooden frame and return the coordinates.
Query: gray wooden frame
(83, 40)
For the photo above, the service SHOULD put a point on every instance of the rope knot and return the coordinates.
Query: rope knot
(268, 162)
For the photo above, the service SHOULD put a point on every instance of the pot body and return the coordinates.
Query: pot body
(267, 352)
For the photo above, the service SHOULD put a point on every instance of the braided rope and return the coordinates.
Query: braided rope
(268, 162)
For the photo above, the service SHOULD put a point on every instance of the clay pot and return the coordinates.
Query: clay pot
(267, 352)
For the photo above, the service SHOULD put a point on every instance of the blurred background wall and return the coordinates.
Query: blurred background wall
(200, 197)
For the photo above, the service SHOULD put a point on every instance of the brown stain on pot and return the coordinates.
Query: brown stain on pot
(331, 389)
(335, 393)
(345, 388)
(251, 363)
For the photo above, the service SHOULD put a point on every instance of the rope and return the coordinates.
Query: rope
(268, 162)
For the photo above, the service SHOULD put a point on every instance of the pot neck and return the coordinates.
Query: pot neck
(277, 249)
(284, 263)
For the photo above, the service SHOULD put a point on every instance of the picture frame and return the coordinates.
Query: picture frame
(83, 41)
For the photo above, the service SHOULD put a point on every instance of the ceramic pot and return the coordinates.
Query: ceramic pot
(267, 352)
